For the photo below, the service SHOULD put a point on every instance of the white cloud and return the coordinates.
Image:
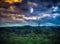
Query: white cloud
(44, 15)
(55, 8)
(48, 24)
(30, 18)
(32, 3)
(55, 15)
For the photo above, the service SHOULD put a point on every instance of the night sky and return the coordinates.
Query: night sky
(29, 12)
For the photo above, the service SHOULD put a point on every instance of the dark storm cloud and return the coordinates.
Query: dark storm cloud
(54, 1)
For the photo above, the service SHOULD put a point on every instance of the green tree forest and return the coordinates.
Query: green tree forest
(28, 35)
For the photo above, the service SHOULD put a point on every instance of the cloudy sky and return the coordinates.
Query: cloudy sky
(29, 12)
